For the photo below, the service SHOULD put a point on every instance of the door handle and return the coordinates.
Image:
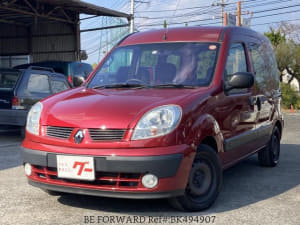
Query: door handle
(254, 100)
(258, 103)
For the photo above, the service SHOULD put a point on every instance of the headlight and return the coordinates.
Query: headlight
(33, 118)
(157, 122)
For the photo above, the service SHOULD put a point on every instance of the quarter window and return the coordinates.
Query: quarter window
(38, 84)
(58, 86)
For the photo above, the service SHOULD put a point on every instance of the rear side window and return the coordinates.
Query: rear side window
(58, 86)
(8, 79)
(264, 66)
(38, 85)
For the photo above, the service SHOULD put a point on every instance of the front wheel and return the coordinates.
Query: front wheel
(269, 156)
(204, 182)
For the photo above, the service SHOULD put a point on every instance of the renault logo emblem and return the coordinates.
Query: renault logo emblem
(78, 137)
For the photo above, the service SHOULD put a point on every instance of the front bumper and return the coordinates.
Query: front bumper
(116, 176)
(13, 117)
(111, 194)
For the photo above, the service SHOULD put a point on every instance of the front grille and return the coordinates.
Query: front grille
(106, 135)
(102, 179)
(59, 132)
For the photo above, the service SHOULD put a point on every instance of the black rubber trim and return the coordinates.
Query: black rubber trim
(161, 166)
(113, 194)
(34, 157)
(246, 137)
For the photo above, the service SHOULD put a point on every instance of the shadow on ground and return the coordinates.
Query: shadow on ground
(244, 184)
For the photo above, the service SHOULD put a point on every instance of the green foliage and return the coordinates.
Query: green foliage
(289, 96)
(275, 37)
(287, 53)
(288, 58)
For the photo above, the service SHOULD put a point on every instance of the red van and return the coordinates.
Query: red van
(162, 116)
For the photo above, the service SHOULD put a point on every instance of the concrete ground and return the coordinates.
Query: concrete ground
(251, 194)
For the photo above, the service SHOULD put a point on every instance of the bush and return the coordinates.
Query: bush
(289, 96)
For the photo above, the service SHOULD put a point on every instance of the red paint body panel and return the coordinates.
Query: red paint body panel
(189, 34)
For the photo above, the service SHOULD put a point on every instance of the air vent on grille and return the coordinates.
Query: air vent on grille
(106, 135)
(59, 132)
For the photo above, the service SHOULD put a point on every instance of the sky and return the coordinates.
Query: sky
(150, 14)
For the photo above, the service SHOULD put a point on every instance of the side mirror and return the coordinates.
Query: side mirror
(78, 80)
(240, 80)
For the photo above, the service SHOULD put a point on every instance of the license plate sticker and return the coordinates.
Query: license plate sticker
(75, 167)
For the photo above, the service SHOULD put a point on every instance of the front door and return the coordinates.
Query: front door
(236, 113)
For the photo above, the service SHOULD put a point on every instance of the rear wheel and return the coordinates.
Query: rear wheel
(204, 182)
(269, 156)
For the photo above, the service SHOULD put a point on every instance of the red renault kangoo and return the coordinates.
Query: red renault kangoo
(162, 116)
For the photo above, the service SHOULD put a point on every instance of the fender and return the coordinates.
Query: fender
(205, 126)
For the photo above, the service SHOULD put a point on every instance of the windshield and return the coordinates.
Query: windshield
(8, 79)
(158, 65)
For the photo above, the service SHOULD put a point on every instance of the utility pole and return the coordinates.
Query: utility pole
(239, 20)
(132, 17)
(222, 12)
(226, 19)
(222, 4)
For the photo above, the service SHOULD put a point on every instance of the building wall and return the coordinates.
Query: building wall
(53, 41)
(13, 40)
(45, 40)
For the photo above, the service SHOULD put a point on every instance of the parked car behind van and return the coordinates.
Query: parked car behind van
(20, 89)
(76, 72)
(161, 117)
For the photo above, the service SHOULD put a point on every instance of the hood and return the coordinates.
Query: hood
(110, 108)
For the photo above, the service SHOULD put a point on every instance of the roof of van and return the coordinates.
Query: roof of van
(189, 34)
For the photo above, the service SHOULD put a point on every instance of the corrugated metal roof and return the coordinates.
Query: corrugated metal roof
(86, 8)
(25, 13)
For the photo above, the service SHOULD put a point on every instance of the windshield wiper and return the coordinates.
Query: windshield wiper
(122, 85)
(173, 86)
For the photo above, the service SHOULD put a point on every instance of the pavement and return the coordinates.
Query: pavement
(251, 194)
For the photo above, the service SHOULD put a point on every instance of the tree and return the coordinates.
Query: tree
(276, 37)
(290, 31)
(287, 53)
(288, 59)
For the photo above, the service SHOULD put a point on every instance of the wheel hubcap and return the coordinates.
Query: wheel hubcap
(200, 179)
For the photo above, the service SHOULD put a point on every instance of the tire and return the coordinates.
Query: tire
(269, 156)
(204, 184)
(52, 193)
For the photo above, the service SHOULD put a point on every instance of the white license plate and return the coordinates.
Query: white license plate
(75, 167)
